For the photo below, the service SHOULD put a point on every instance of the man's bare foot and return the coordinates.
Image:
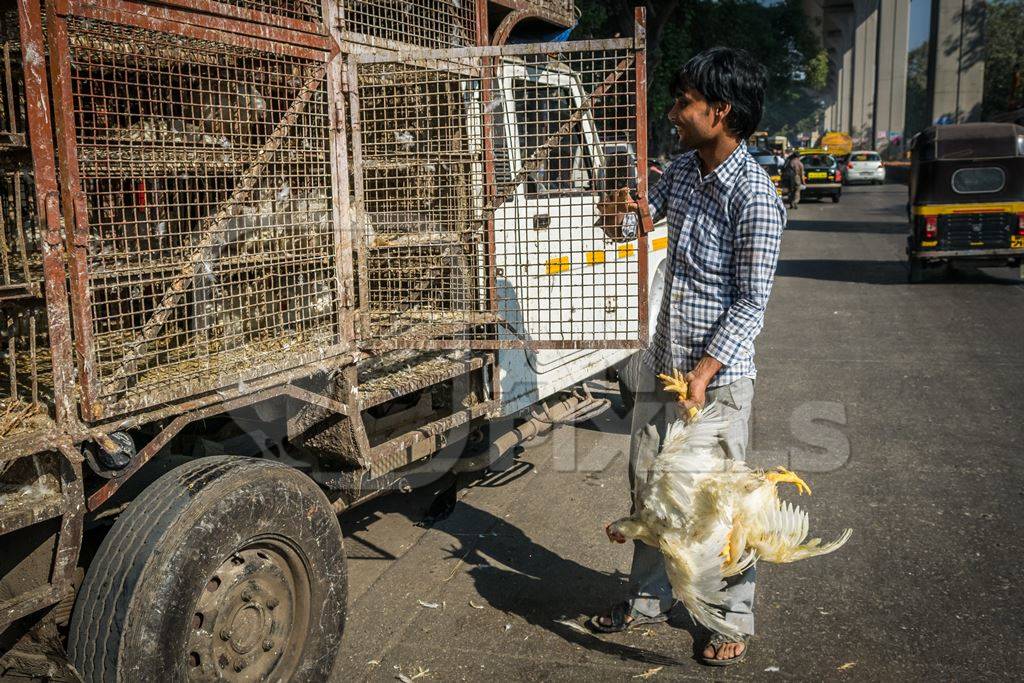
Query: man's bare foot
(724, 651)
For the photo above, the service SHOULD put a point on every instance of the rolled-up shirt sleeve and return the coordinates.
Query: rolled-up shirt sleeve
(657, 197)
(756, 244)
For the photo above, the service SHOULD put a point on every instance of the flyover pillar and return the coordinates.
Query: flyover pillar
(956, 60)
(891, 81)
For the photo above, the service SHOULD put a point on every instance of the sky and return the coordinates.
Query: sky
(920, 13)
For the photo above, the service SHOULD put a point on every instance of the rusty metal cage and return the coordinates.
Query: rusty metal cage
(199, 168)
(26, 377)
(425, 23)
(478, 178)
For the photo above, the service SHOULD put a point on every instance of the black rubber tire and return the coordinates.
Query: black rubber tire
(134, 613)
(915, 273)
(835, 198)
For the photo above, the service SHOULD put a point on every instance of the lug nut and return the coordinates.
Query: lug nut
(239, 665)
(246, 595)
(225, 634)
(268, 645)
(272, 603)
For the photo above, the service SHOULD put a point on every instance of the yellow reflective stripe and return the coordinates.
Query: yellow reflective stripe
(659, 243)
(981, 207)
(560, 264)
(556, 265)
(930, 244)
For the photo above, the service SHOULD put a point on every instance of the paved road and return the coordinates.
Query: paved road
(901, 403)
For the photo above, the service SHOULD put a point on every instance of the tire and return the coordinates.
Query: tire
(916, 272)
(223, 568)
(835, 198)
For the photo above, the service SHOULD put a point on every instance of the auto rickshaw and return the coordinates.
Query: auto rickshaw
(966, 196)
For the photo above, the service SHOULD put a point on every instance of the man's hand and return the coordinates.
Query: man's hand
(697, 382)
(613, 207)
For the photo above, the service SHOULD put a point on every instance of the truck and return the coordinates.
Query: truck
(264, 260)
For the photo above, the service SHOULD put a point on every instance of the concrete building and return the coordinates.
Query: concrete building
(867, 41)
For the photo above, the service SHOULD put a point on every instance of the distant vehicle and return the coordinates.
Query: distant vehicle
(836, 143)
(769, 161)
(966, 196)
(822, 175)
(865, 167)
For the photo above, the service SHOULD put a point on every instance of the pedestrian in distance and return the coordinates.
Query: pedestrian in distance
(725, 222)
(793, 179)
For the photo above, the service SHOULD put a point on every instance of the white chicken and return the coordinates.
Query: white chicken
(713, 517)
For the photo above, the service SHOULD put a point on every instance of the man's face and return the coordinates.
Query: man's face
(695, 119)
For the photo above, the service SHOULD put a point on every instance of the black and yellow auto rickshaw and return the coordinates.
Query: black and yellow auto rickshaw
(966, 196)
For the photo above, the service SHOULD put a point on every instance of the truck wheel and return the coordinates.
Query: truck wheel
(223, 568)
(916, 273)
(835, 198)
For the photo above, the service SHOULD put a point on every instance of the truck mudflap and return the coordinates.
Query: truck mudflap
(477, 174)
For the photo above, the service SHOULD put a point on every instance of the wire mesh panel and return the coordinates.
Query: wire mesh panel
(426, 23)
(479, 175)
(205, 169)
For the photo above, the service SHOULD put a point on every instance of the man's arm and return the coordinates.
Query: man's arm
(755, 257)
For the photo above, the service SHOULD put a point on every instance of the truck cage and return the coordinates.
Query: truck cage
(210, 204)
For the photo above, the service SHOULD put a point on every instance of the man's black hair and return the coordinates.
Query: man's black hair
(727, 75)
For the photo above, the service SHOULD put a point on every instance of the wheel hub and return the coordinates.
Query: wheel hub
(245, 622)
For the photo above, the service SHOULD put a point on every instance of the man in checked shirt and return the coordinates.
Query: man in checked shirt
(725, 223)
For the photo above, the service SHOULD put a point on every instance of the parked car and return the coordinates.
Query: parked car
(822, 176)
(769, 161)
(865, 167)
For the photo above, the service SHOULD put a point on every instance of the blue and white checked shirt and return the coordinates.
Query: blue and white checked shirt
(724, 232)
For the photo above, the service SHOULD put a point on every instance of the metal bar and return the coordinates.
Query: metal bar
(342, 232)
(12, 103)
(646, 224)
(309, 24)
(214, 29)
(359, 204)
(37, 104)
(75, 213)
(431, 429)
(517, 50)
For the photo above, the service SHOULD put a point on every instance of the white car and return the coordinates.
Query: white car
(865, 166)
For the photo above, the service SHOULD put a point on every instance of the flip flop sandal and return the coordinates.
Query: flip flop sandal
(618, 620)
(716, 641)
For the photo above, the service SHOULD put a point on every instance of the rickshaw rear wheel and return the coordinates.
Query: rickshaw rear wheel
(916, 273)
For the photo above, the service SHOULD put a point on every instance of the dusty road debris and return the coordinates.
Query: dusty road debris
(261, 261)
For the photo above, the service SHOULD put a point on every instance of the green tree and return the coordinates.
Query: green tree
(918, 106)
(1004, 57)
(777, 35)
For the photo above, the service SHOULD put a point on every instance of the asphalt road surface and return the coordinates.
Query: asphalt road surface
(900, 403)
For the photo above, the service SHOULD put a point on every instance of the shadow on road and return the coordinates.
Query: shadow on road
(873, 228)
(864, 272)
(888, 273)
(516, 575)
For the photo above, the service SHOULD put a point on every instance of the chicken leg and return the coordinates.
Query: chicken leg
(676, 383)
(783, 476)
